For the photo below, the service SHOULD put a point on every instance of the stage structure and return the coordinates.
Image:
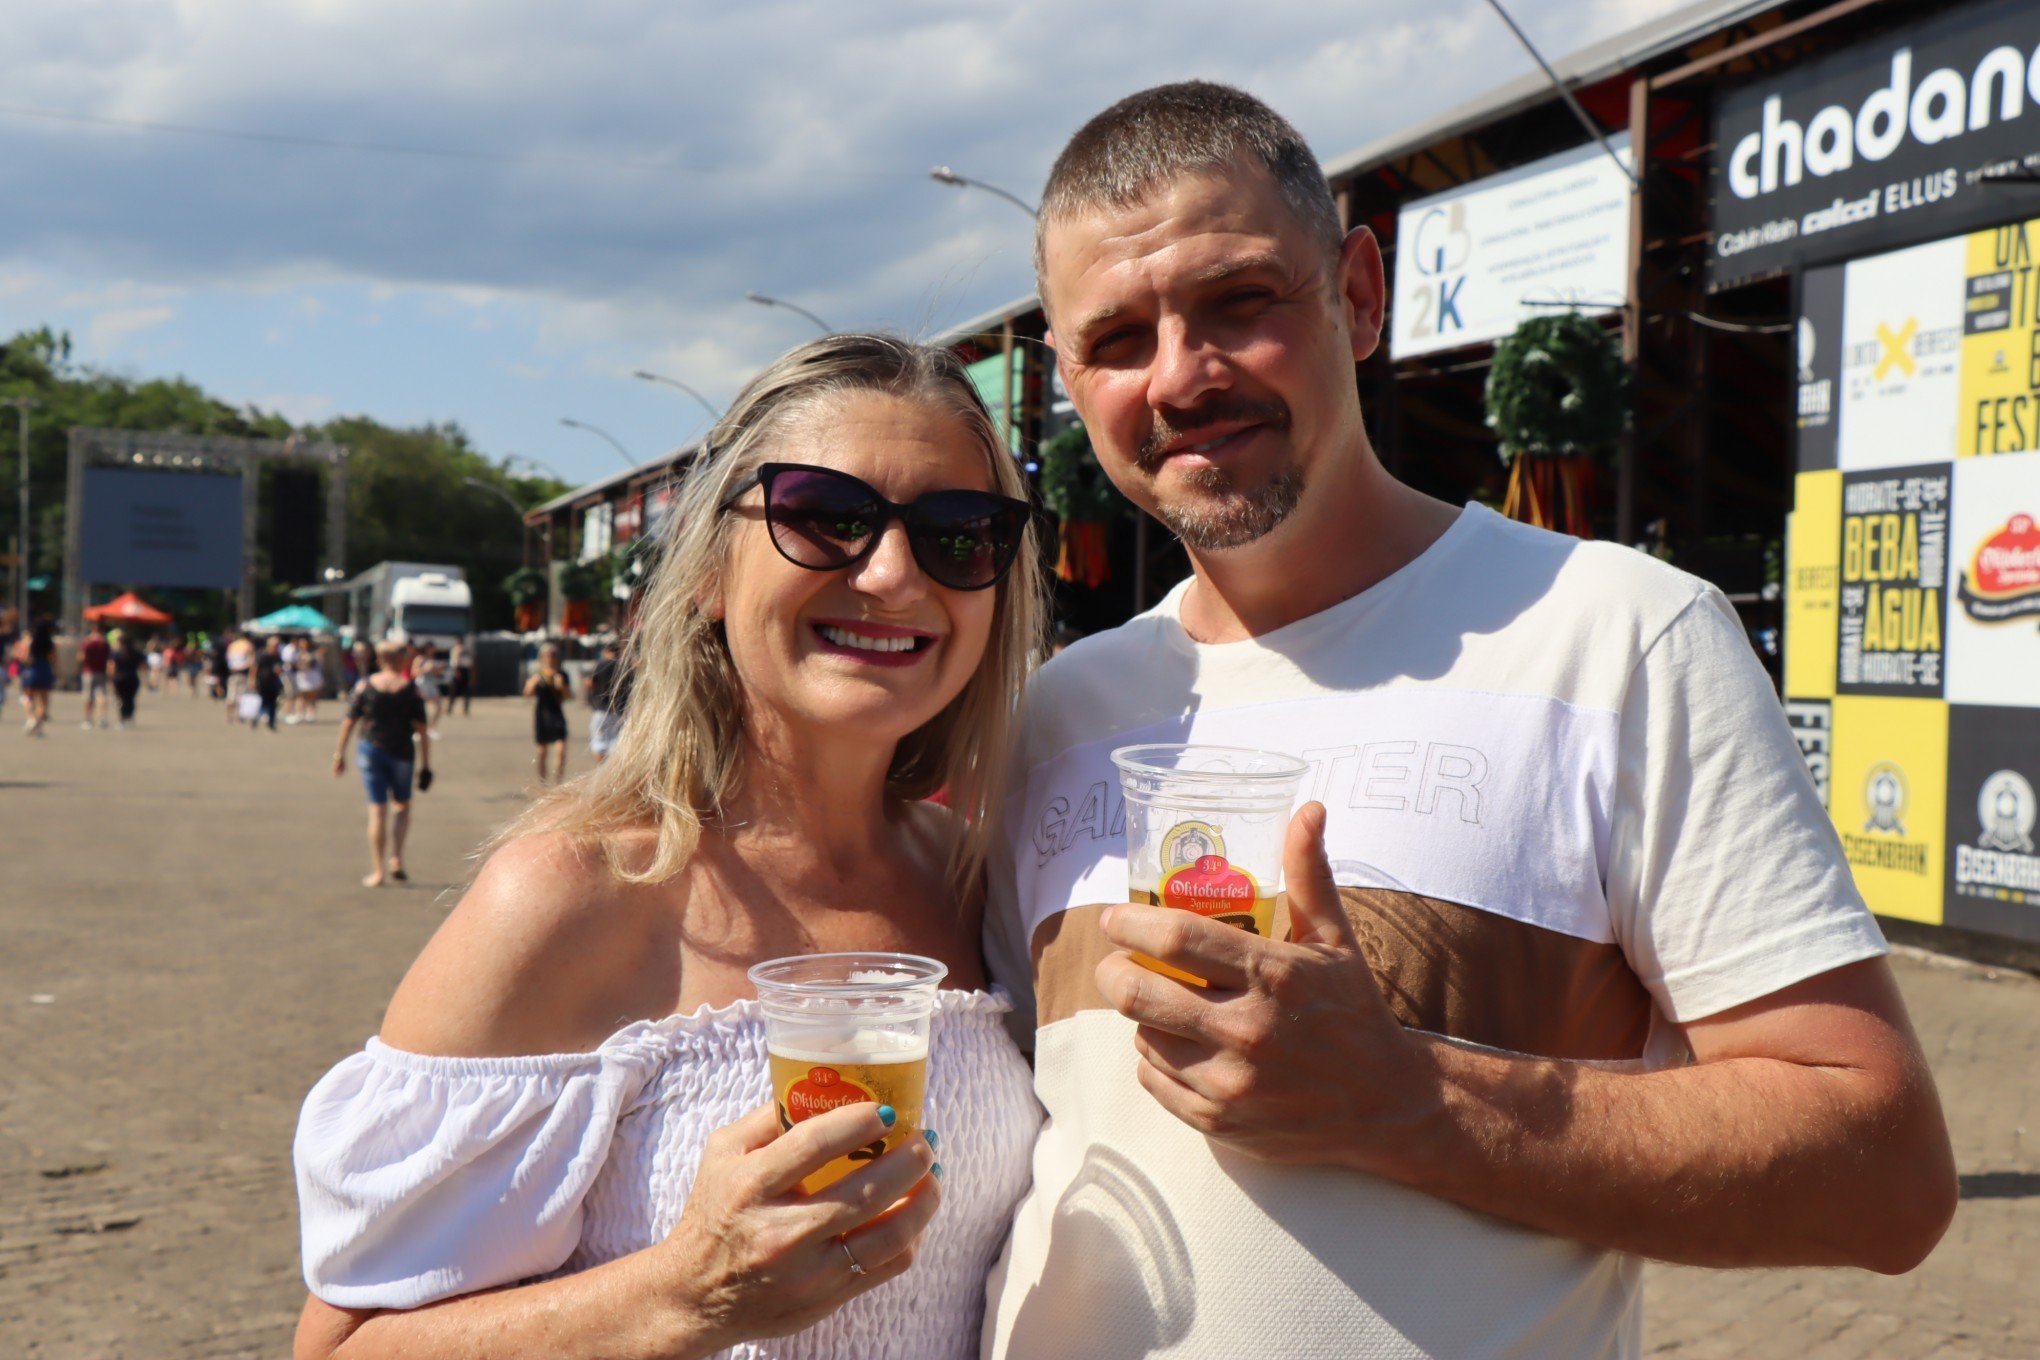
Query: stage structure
(181, 510)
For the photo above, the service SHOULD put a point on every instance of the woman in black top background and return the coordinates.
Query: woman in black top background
(548, 689)
(395, 741)
(127, 662)
(268, 681)
(38, 678)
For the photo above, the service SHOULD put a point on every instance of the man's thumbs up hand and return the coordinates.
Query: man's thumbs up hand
(1290, 1054)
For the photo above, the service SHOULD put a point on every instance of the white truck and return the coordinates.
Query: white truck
(414, 602)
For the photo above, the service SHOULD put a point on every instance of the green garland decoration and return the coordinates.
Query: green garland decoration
(580, 581)
(526, 585)
(1558, 389)
(630, 564)
(1073, 486)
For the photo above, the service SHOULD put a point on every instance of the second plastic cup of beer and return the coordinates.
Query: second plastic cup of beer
(1204, 831)
(841, 1029)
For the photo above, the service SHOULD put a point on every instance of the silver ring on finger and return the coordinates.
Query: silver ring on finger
(850, 1255)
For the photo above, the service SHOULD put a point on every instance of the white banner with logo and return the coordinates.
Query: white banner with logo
(1472, 263)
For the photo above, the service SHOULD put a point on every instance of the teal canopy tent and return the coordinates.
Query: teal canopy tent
(293, 618)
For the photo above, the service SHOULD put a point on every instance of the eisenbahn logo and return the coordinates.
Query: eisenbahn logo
(1885, 798)
(2005, 808)
(1816, 394)
(2003, 580)
(1884, 794)
(1188, 842)
(2002, 859)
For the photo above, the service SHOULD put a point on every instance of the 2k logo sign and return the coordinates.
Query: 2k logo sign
(1440, 247)
(1897, 349)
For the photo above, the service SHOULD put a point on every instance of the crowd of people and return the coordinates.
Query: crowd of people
(260, 680)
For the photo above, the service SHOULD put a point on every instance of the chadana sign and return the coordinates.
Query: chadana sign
(1886, 142)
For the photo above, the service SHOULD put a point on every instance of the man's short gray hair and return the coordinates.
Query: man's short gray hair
(1152, 138)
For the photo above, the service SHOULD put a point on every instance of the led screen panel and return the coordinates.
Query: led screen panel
(141, 527)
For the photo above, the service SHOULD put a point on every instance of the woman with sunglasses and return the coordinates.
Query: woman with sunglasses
(563, 1138)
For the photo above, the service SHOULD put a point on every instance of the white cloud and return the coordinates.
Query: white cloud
(300, 408)
(107, 330)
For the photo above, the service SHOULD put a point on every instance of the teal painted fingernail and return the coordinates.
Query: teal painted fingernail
(936, 1171)
(934, 1139)
(888, 1116)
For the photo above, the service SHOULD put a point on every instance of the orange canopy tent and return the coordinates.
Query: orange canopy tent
(127, 608)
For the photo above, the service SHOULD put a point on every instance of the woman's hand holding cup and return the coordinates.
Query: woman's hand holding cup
(752, 1256)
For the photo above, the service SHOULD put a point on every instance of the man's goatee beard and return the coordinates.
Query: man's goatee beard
(1224, 517)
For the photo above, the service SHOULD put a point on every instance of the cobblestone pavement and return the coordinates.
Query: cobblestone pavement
(184, 948)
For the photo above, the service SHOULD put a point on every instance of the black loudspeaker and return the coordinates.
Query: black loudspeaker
(294, 503)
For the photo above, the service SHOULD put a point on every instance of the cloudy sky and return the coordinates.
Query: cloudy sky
(534, 199)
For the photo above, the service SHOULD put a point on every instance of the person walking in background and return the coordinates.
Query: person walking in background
(173, 663)
(548, 689)
(93, 655)
(240, 659)
(308, 682)
(294, 650)
(430, 673)
(38, 677)
(154, 654)
(460, 667)
(360, 664)
(219, 670)
(268, 664)
(608, 689)
(126, 664)
(395, 741)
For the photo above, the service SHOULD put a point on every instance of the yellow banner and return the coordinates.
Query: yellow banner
(1889, 799)
(1813, 548)
(2000, 410)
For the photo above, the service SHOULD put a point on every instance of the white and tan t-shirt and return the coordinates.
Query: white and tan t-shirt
(1566, 814)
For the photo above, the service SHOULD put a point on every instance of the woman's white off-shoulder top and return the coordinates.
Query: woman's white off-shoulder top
(421, 1178)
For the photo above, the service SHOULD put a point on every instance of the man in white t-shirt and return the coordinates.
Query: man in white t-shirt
(1573, 972)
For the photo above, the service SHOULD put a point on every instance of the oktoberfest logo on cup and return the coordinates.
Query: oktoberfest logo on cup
(1210, 884)
(822, 1090)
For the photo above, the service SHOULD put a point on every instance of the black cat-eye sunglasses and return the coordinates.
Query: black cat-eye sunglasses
(823, 519)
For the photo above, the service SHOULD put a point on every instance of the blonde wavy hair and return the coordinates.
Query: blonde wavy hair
(679, 755)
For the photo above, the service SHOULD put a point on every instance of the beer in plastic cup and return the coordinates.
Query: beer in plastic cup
(1204, 831)
(841, 1029)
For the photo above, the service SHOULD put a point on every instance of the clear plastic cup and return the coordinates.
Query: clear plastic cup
(841, 1029)
(1204, 831)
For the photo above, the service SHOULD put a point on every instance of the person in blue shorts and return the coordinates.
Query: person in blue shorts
(396, 741)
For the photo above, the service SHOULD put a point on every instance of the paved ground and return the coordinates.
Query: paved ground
(184, 949)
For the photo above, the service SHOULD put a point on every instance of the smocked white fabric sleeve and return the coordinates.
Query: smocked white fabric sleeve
(1726, 880)
(421, 1178)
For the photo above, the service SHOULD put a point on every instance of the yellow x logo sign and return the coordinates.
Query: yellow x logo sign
(1896, 348)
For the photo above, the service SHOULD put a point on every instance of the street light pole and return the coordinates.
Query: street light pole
(942, 174)
(523, 529)
(621, 451)
(706, 405)
(498, 492)
(21, 556)
(764, 301)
